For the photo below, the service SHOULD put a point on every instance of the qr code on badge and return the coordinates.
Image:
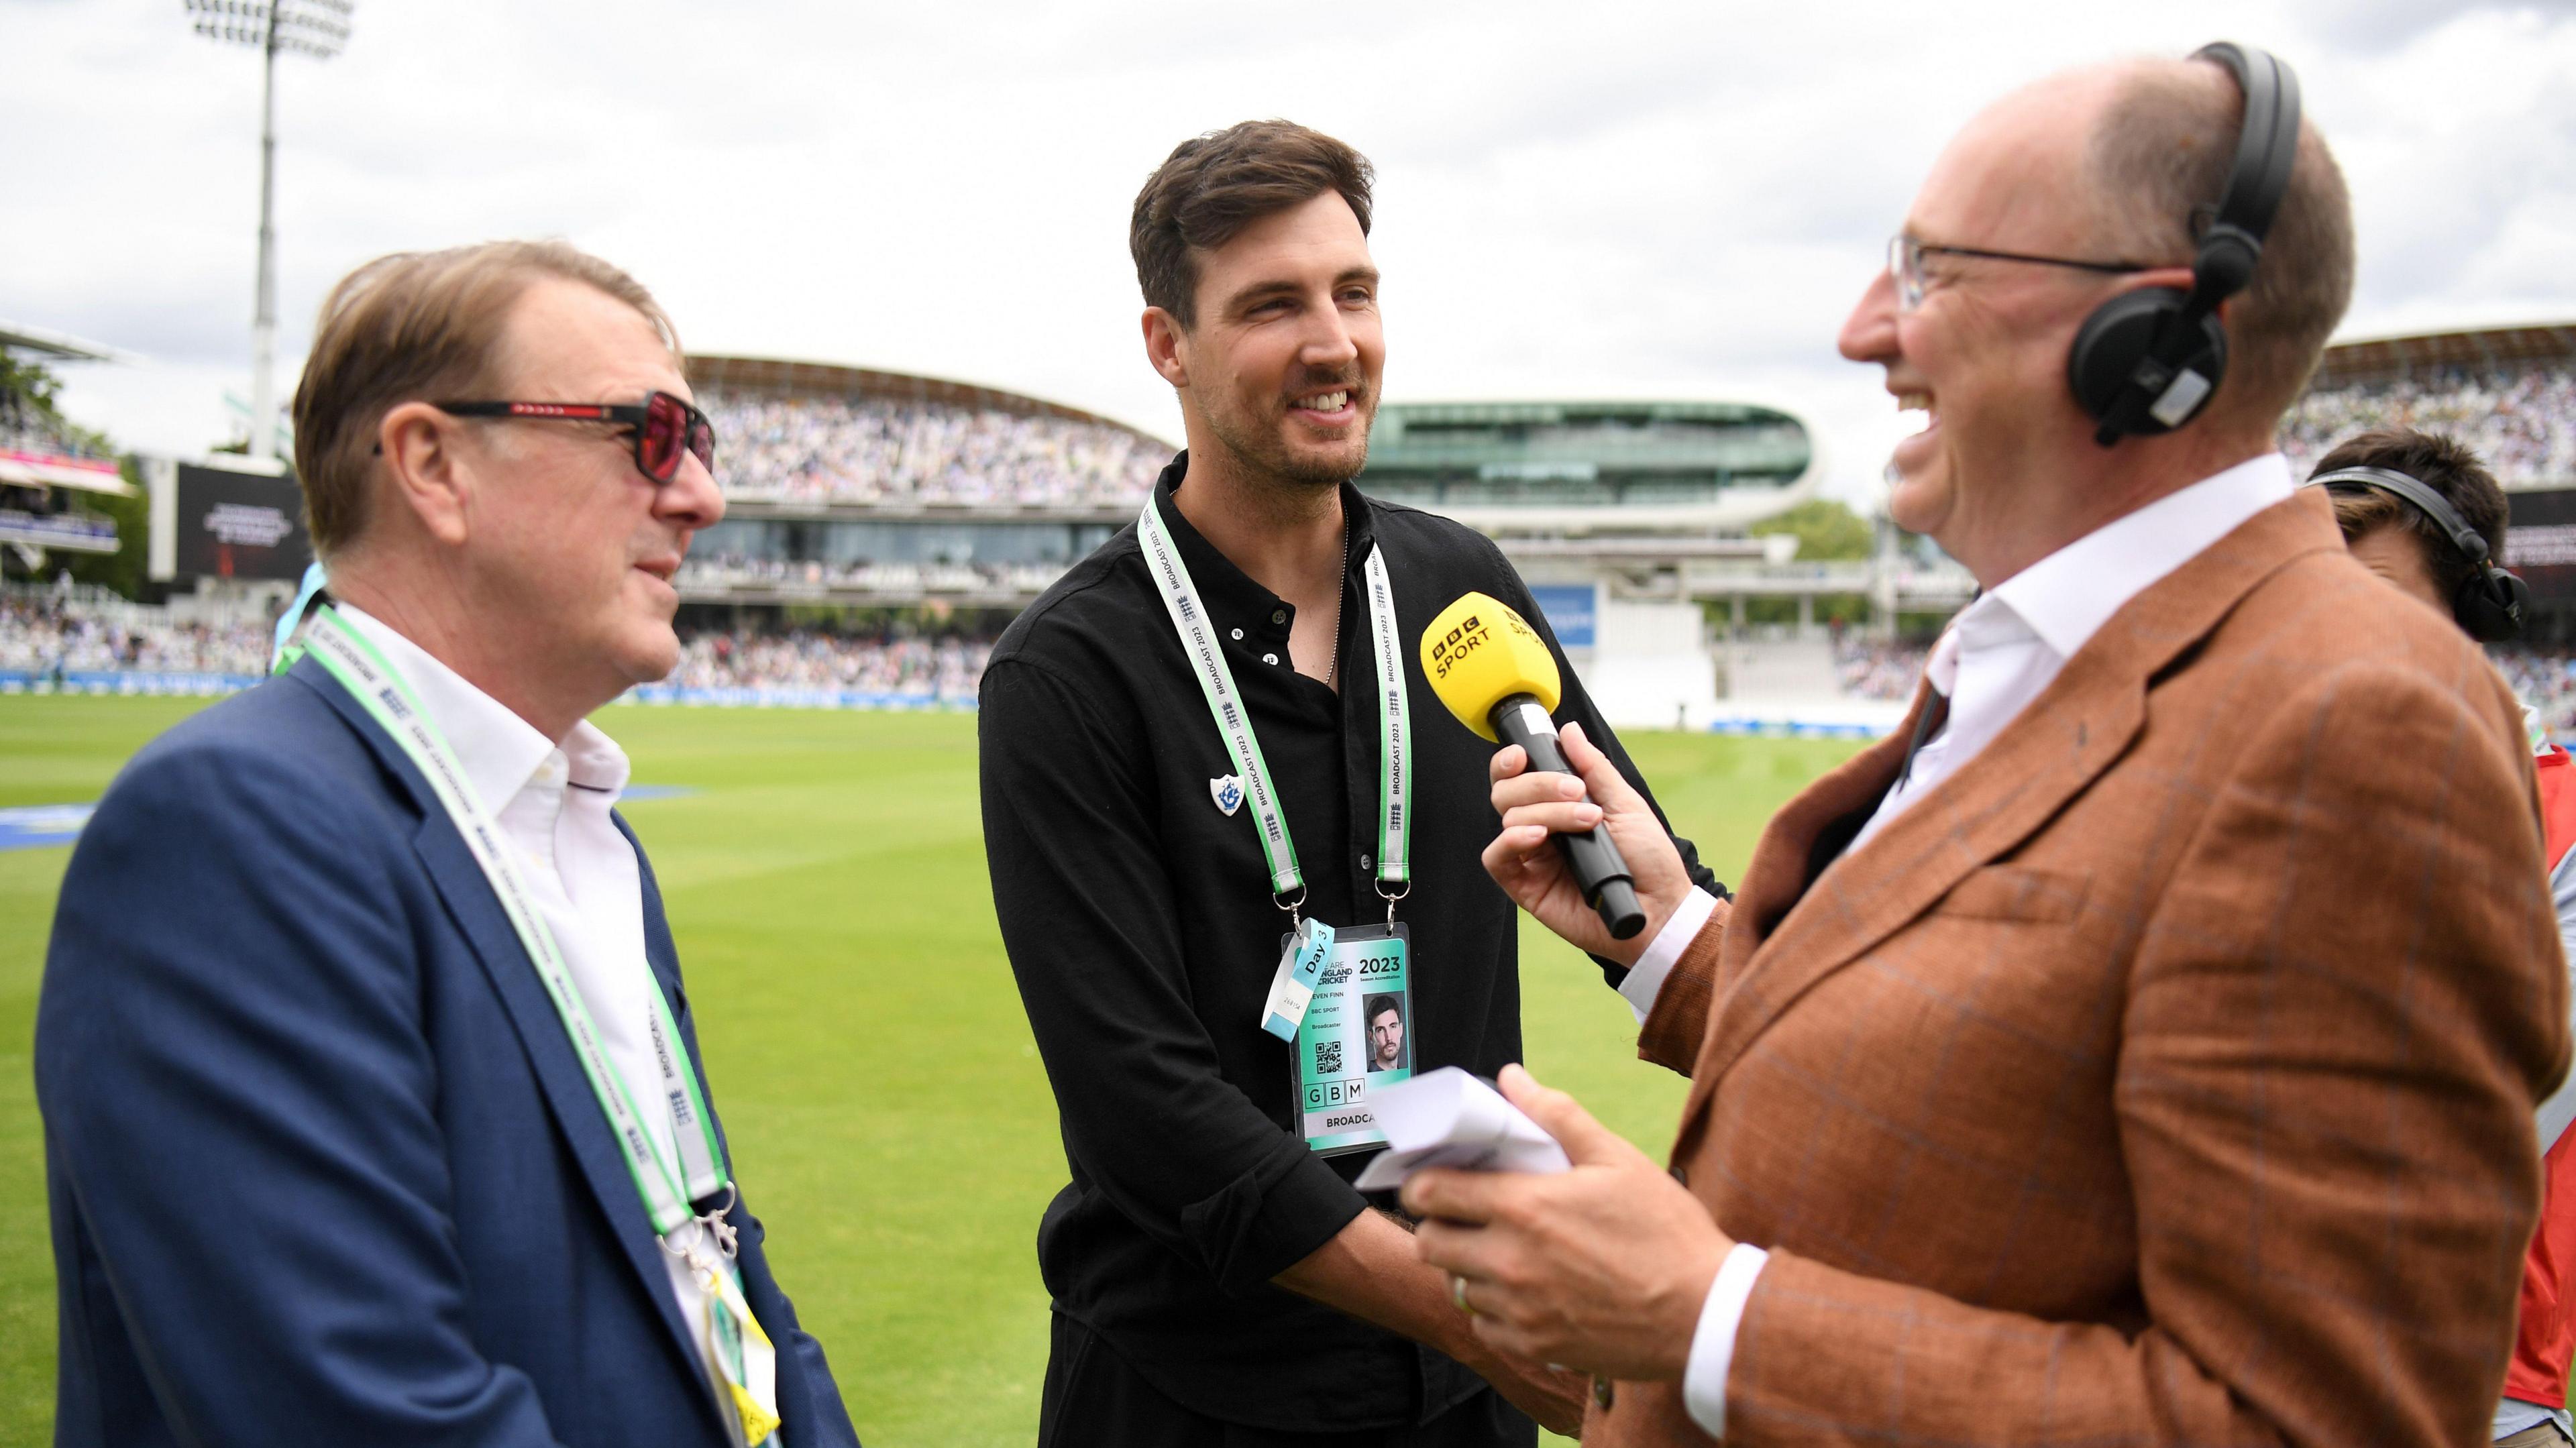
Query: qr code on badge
(1328, 1058)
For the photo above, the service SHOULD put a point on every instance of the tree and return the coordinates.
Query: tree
(1827, 531)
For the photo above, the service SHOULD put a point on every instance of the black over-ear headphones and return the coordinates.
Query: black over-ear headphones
(2490, 601)
(2146, 361)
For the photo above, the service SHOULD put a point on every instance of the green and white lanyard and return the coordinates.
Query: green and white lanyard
(668, 1189)
(1225, 703)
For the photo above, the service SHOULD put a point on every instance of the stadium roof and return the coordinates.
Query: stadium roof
(2379, 358)
(1505, 438)
(828, 379)
(1579, 467)
(18, 337)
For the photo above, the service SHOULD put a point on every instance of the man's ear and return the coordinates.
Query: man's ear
(1166, 346)
(427, 476)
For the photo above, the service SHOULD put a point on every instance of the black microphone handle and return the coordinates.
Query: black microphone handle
(1598, 869)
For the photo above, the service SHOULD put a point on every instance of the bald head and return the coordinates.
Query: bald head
(2045, 207)
(2010, 169)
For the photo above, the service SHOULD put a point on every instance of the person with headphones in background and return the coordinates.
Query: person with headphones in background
(2141, 1044)
(2421, 511)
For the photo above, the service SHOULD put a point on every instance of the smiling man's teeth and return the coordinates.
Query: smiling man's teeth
(1329, 402)
(1914, 402)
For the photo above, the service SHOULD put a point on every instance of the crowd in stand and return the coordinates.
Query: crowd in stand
(44, 638)
(734, 569)
(2545, 679)
(2523, 424)
(25, 429)
(842, 450)
(1876, 669)
(947, 669)
(48, 639)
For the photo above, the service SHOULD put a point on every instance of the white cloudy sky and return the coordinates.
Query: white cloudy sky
(1574, 199)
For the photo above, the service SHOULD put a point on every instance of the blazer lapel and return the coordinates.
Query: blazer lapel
(560, 1078)
(2056, 747)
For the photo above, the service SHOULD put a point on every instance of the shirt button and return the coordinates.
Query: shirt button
(1269, 658)
(1278, 615)
(1238, 635)
(1366, 863)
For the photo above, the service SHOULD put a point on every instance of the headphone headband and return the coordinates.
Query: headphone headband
(2490, 602)
(2471, 543)
(2267, 145)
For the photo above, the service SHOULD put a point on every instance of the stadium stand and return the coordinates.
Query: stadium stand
(1875, 668)
(867, 490)
(45, 469)
(822, 449)
(26, 429)
(2523, 423)
(735, 572)
(2544, 679)
(943, 669)
(44, 638)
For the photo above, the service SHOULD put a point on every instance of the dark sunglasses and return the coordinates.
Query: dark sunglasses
(665, 427)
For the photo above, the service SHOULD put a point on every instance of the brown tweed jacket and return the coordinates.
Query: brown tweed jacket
(2166, 1075)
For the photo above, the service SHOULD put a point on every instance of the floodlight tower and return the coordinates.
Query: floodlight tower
(318, 28)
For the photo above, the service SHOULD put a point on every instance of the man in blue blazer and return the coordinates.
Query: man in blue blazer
(372, 1112)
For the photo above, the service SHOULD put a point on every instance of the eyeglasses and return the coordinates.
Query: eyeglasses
(665, 427)
(1905, 265)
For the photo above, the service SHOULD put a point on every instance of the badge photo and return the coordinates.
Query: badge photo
(1227, 790)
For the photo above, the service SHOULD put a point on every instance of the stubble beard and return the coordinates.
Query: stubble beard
(1260, 456)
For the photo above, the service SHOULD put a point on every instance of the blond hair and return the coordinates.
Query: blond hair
(418, 326)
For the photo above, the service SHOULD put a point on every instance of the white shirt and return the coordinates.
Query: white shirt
(553, 805)
(1999, 654)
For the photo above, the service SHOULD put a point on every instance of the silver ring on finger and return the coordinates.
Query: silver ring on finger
(1458, 1294)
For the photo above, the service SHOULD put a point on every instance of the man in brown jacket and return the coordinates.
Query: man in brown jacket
(2142, 1050)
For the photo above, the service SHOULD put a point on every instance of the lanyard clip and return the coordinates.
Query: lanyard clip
(1391, 899)
(1280, 899)
(713, 1221)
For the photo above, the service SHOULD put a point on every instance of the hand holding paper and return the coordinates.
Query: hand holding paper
(1602, 1266)
(1449, 1118)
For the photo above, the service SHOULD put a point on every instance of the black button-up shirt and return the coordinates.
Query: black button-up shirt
(1141, 927)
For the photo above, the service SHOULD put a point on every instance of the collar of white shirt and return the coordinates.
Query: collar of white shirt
(500, 751)
(2067, 596)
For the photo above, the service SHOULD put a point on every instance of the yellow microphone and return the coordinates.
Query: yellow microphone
(1495, 673)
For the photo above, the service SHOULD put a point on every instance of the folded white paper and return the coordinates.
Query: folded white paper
(1449, 1118)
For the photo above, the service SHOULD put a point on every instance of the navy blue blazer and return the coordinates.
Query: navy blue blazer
(322, 1166)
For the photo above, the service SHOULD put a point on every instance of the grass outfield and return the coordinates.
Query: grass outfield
(888, 1115)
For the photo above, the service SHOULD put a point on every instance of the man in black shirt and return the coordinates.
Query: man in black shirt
(1189, 752)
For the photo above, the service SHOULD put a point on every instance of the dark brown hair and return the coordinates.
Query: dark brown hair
(417, 326)
(2161, 159)
(1211, 187)
(2444, 464)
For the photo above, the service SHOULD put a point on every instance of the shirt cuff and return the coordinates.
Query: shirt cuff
(1712, 1349)
(1645, 979)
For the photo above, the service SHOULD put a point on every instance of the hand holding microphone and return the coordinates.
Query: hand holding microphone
(1571, 823)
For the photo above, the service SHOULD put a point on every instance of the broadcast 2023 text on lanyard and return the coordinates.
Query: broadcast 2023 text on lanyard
(686, 1198)
(1340, 998)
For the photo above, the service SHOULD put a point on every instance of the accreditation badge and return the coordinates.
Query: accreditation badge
(1357, 1036)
